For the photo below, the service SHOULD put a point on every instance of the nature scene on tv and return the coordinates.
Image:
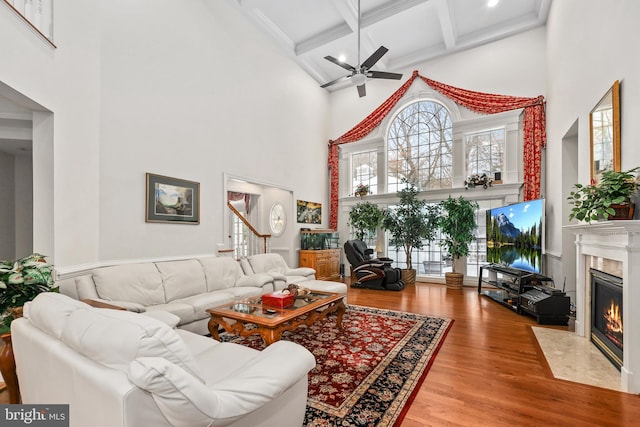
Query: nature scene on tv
(514, 235)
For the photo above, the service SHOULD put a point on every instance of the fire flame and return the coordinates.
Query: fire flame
(613, 318)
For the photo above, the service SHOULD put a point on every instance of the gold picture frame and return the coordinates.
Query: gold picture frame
(604, 128)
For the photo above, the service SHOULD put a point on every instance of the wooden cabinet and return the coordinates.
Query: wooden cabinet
(326, 262)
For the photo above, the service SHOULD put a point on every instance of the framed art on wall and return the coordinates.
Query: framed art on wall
(309, 212)
(172, 200)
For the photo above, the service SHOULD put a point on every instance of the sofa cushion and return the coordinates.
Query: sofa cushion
(49, 311)
(202, 302)
(114, 338)
(220, 272)
(246, 266)
(268, 263)
(140, 283)
(326, 286)
(182, 278)
(184, 311)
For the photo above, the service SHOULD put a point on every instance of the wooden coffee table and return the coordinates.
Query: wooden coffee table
(251, 317)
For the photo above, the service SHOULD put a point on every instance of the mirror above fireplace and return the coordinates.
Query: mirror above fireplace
(604, 123)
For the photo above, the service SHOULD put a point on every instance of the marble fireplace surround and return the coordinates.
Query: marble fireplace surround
(613, 247)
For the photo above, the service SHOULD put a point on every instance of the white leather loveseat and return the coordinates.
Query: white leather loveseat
(185, 288)
(119, 368)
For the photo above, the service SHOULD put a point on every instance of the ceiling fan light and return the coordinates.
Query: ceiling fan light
(358, 79)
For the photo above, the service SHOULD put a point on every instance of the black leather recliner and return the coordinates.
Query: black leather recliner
(372, 273)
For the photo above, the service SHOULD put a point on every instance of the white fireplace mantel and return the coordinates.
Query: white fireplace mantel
(616, 241)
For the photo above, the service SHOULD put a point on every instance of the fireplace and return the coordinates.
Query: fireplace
(612, 247)
(606, 315)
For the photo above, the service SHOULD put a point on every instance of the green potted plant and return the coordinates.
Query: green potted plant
(20, 281)
(608, 199)
(457, 224)
(409, 224)
(365, 218)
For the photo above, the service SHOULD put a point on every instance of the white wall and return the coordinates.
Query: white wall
(65, 81)
(16, 209)
(187, 90)
(23, 205)
(197, 93)
(590, 44)
(7, 210)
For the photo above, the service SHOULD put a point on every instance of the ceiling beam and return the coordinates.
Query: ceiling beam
(348, 12)
(446, 24)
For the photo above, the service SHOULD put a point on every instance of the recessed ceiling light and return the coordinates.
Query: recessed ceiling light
(342, 58)
(492, 3)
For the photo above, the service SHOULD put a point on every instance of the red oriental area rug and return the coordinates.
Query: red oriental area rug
(368, 374)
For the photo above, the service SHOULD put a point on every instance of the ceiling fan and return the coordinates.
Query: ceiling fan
(362, 72)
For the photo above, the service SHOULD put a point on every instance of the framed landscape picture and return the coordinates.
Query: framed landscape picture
(172, 200)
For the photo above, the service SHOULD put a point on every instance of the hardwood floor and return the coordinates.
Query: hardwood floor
(489, 371)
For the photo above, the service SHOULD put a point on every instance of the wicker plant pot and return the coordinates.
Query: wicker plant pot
(409, 276)
(453, 280)
(623, 211)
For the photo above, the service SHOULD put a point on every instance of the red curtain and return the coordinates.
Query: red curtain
(533, 125)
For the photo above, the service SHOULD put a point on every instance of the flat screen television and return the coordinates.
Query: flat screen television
(515, 235)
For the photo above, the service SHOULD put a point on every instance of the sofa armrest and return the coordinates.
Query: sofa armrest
(301, 271)
(126, 305)
(277, 276)
(184, 401)
(255, 280)
(164, 316)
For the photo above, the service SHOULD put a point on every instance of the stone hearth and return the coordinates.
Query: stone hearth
(612, 247)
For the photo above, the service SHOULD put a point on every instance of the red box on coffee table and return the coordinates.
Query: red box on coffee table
(278, 300)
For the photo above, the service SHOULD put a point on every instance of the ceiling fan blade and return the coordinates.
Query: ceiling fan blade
(375, 57)
(384, 75)
(362, 90)
(340, 63)
(338, 80)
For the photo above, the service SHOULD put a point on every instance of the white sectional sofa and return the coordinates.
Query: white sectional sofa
(118, 368)
(185, 288)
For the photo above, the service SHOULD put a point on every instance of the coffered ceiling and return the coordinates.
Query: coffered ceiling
(414, 31)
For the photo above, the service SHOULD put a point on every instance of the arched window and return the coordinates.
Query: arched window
(420, 147)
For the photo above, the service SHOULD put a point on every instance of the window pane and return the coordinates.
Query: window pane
(420, 147)
(484, 152)
(365, 170)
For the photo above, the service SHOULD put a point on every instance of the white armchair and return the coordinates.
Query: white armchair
(275, 266)
(118, 368)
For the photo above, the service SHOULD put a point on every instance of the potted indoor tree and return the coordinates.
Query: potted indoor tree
(365, 218)
(457, 223)
(20, 281)
(410, 224)
(610, 199)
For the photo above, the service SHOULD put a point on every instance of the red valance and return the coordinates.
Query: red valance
(534, 125)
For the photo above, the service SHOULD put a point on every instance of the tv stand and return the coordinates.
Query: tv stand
(525, 293)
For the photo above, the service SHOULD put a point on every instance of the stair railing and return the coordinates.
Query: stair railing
(251, 228)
